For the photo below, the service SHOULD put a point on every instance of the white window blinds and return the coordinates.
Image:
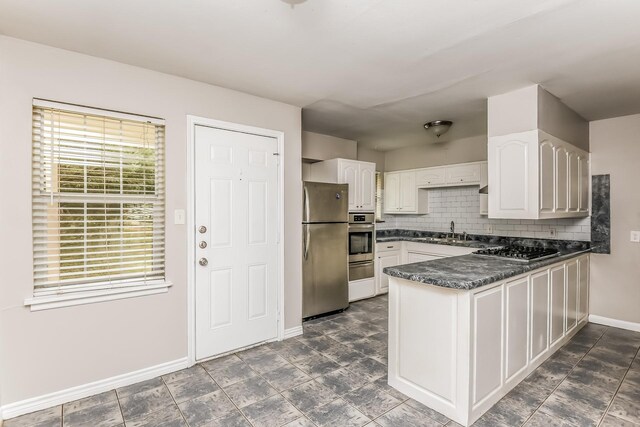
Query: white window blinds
(98, 199)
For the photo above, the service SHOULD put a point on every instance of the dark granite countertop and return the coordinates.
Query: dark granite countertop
(465, 244)
(469, 272)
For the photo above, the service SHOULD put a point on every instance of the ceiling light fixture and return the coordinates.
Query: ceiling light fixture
(438, 127)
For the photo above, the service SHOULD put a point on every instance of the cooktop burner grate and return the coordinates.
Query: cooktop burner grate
(519, 253)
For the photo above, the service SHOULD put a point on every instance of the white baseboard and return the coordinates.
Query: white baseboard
(622, 324)
(292, 332)
(59, 397)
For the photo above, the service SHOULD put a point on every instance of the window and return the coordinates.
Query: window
(98, 201)
(378, 196)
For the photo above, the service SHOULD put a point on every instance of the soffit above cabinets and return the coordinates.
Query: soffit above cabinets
(371, 71)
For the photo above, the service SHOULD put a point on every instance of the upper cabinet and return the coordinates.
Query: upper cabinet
(401, 194)
(534, 175)
(405, 191)
(361, 177)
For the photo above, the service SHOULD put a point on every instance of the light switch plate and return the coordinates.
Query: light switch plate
(635, 236)
(178, 216)
(489, 228)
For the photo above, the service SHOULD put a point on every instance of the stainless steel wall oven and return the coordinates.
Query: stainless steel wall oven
(362, 242)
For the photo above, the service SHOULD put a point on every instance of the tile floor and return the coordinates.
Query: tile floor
(335, 375)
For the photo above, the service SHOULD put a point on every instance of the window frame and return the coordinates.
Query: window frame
(109, 288)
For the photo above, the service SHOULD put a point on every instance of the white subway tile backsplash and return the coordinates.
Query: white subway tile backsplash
(462, 205)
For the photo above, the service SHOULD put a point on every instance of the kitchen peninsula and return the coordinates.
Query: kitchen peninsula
(465, 330)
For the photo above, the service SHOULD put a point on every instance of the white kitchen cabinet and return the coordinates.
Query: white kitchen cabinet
(561, 179)
(557, 315)
(463, 174)
(583, 288)
(420, 256)
(401, 195)
(585, 183)
(487, 342)
(431, 177)
(534, 175)
(516, 327)
(484, 182)
(384, 260)
(539, 313)
(361, 177)
(571, 270)
(488, 339)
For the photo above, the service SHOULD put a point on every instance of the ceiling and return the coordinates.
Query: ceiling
(369, 70)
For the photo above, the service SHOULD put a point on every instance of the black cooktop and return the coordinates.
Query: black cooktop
(519, 253)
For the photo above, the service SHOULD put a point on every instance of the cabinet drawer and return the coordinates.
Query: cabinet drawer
(431, 177)
(388, 246)
(463, 174)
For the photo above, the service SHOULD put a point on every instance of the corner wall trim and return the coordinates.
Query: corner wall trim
(622, 324)
(292, 332)
(63, 396)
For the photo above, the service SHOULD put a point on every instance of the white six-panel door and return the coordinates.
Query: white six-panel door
(236, 193)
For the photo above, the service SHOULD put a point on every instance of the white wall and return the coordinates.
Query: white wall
(373, 156)
(47, 351)
(461, 150)
(615, 287)
(462, 205)
(316, 146)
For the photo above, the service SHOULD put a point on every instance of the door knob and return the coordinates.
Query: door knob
(202, 244)
(203, 261)
(202, 229)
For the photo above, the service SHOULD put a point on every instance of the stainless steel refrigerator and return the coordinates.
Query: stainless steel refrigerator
(325, 262)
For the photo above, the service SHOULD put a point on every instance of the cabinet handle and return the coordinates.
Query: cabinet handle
(389, 247)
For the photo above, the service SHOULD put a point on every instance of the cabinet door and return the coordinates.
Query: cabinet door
(539, 314)
(517, 293)
(546, 177)
(574, 182)
(512, 163)
(484, 198)
(561, 179)
(430, 177)
(583, 287)
(557, 304)
(583, 166)
(463, 174)
(391, 200)
(389, 259)
(571, 269)
(367, 180)
(349, 174)
(408, 202)
(487, 343)
(419, 257)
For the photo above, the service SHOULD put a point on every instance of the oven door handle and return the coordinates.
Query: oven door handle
(360, 263)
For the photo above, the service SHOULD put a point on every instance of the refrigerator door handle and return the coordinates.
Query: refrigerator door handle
(306, 205)
(307, 237)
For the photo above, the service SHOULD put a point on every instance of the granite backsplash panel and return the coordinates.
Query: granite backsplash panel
(462, 205)
(601, 214)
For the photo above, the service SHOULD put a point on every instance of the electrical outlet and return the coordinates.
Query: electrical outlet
(489, 228)
(635, 236)
(553, 232)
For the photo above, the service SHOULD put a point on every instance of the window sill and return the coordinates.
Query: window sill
(39, 303)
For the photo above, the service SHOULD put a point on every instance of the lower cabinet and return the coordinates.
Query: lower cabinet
(488, 339)
(383, 260)
(539, 313)
(419, 257)
(557, 315)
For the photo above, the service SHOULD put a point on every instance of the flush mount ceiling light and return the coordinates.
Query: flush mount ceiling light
(438, 127)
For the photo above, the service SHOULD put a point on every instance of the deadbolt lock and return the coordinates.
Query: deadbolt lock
(202, 229)
(202, 244)
(203, 262)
